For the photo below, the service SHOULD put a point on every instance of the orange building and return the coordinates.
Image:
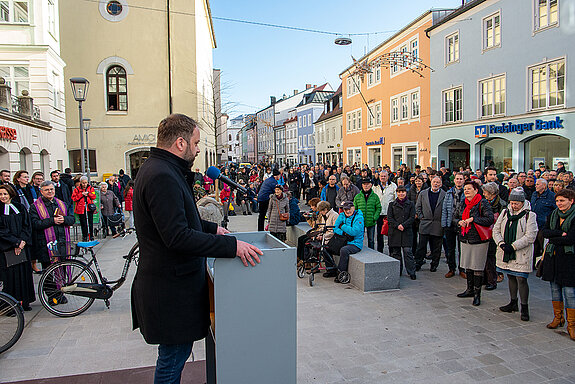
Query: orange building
(395, 129)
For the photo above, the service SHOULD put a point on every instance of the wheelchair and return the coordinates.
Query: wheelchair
(316, 256)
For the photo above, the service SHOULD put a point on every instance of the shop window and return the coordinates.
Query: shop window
(548, 85)
(492, 96)
(411, 156)
(546, 13)
(497, 153)
(76, 160)
(548, 149)
(397, 157)
(117, 88)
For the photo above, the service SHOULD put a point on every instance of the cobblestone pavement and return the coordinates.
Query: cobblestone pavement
(421, 333)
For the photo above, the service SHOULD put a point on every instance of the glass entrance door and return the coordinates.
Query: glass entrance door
(136, 161)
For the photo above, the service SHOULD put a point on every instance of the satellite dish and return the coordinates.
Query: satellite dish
(343, 41)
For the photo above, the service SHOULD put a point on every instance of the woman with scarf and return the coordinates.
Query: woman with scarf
(472, 216)
(84, 196)
(514, 233)
(278, 204)
(559, 259)
(491, 194)
(400, 216)
(15, 235)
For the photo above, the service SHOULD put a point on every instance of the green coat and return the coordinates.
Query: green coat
(370, 208)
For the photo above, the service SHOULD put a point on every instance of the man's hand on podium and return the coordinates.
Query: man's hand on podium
(248, 253)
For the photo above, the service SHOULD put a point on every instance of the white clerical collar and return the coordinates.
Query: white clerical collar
(7, 208)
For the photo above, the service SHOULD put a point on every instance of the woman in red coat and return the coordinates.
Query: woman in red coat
(128, 195)
(84, 196)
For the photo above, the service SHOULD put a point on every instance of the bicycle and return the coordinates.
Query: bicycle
(11, 321)
(69, 287)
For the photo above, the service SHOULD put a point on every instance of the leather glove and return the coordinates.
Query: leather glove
(507, 248)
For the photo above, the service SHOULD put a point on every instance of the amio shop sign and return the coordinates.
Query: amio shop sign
(482, 131)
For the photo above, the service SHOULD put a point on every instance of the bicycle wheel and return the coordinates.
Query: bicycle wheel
(11, 321)
(58, 276)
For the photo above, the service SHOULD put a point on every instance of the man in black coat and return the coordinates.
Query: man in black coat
(62, 191)
(170, 301)
(67, 179)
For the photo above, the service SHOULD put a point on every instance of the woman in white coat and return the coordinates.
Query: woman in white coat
(514, 233)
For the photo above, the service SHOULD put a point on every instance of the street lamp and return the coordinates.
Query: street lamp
(80, 91)
(86, 125)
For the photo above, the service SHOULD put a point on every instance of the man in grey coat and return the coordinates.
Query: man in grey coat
(428, 210)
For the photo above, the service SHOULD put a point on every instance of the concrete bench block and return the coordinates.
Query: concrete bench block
(371, 271)
(295, 231)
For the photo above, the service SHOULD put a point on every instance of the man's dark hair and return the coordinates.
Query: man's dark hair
(68, 170)
(174, 126)
(37, 173)
(4, 171)
(490, 169)
(53, 172)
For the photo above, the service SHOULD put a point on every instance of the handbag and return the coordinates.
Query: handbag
(539, 263)
(385, 227)
(283, 216)
(338, 241)
(485, 233)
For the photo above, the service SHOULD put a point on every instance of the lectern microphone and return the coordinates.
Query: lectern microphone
(214, 173)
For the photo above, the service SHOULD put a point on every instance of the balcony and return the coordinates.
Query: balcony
(19, 106)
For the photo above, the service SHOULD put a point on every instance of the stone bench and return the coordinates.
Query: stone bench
(370, 270)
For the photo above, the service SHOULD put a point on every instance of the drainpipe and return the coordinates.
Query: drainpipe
(169, 59)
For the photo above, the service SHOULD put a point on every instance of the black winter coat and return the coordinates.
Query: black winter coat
(170, 301)
(482, 215)
(13, 229)
(559, 268)
(39, 247)
(404, 215)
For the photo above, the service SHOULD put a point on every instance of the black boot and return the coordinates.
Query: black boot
(511, 307)
(524, 312)
(469, 291)
(478, 280)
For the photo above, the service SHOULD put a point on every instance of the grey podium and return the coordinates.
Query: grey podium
(253, 337)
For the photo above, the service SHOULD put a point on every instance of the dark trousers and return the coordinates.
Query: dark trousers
(407, 259)
(435, 245)
(344, 253)
(170, 363)
(380, 237)
(87, 223)
(279, 235)
(263, 207)
(537, 246)
(370, 237)
(490, 266)
(415, 232)
(301, 246)
(452, 247)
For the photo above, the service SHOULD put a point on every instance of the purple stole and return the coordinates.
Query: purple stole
(49, 232)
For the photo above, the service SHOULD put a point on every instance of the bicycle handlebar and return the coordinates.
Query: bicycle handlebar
(124, 232)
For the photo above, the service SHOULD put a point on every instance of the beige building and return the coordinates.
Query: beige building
(144, 61)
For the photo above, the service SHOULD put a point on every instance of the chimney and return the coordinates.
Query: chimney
(272, 100)
(307, 86)
(295, 92)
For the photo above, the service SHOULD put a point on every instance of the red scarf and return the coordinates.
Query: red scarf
(467, 211)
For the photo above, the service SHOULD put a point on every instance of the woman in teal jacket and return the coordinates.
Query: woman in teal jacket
(369, 204)
(350, 223)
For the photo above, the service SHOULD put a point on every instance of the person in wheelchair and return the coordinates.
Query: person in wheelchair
(348, 232)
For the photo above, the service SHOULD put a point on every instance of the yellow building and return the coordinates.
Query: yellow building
(144, 60)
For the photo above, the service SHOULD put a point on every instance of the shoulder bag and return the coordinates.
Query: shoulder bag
(338, 241)
(485, 233)
(282, 216)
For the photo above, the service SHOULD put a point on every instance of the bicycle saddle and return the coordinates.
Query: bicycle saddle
(88, 244)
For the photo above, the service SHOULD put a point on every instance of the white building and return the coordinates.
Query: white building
(291, 138)
(30, 61)
(233, 138)
(328, 131)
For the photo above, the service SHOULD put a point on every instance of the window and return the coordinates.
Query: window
(51, 17)
(415, 48)
(548, 85)
(452, 105)
(492, 96)
(414, 105)
(354, 121)
(114, 8)
(394, 110)
(546, 13)
(117, 89)
(17, 77)
(492, 31)
(452, 48)
(300, 142)
(76, 160)
(353, 84)
(374, 76)
(14, 11)
(305, 141)
(404, 108)
(56, 93)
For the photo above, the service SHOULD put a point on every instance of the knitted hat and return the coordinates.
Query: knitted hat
(517, 194)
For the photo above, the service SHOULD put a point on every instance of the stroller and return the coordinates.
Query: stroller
(117, 220)
(316, 255)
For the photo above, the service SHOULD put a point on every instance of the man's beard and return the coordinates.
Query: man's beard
(189, 156)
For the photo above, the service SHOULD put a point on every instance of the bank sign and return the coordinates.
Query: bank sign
(482, 131)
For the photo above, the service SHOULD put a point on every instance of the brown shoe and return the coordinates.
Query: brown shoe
(450, 274)
(558, 319)
(463, 275)
(570, 322)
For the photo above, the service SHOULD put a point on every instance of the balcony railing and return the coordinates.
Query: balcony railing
(36, 115)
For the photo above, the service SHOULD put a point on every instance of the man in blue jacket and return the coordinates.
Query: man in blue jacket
(542, 203)
(349, 222)
(266, 189)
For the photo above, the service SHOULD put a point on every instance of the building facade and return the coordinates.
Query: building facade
(386, 106)
(291, 138)
(32, 125)
(500, 89)
(328, 131)
(264, 135)
(308, 111)
(131, 88)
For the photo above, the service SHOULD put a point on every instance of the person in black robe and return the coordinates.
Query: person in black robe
(15, 234)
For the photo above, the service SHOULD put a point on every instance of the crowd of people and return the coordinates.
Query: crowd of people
(491, 225)
(41, 212)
